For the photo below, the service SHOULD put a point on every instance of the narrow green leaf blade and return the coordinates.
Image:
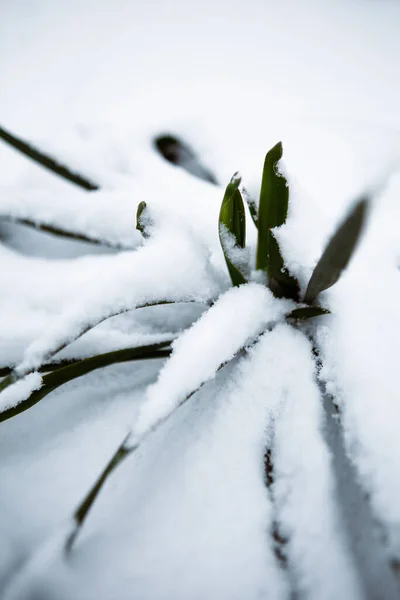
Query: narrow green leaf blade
(281, 283)
(63, 375)
(8, 380)
(141, 219)
(46, 161)
(338, 252)
(272, 212)
(232, 213)
(64, 233)
(84, 507)
(307, 312)
(273, 206)
(232, 217)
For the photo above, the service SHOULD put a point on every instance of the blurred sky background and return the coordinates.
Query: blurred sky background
(80, 58)
(205, 67)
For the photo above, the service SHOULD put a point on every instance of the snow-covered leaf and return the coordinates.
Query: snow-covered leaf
(46, 161)
(51, 381)
(272, 212)
(232, 223)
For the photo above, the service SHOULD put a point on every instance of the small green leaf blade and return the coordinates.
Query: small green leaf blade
(338, 252)
(232, 217)
(83, 509)
(8, 380)
(232, 213)
(58, 377)
(46, 161)
(273, 206)
(140, 220)
(307, 312)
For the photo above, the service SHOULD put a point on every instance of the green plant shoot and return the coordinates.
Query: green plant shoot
(232, 221)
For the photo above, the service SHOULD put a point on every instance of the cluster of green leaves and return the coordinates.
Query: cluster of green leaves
(272, 212)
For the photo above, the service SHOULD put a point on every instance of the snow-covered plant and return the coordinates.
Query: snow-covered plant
(264, 295)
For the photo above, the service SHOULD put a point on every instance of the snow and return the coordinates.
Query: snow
(92, 216)
(239, 257)
(188, 515)
(364, 382)
(304, 487)
(174, 484)
(20, 391)
(39, 494)
(125, 282)
(235, 320)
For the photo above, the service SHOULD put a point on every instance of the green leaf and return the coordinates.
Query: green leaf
(84, 507)
(17, 373)
(272, 212)
(46, 161)
(65, 233)
(281, 283)
(141, 219)
(307, 312)
(273, 206)
(58, 377)
(232, 216)
(8, 380)
(338, 252)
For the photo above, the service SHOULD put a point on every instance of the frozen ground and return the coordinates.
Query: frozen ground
(189, 516)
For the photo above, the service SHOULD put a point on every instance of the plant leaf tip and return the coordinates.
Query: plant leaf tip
(236, 179)
(276, 152)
